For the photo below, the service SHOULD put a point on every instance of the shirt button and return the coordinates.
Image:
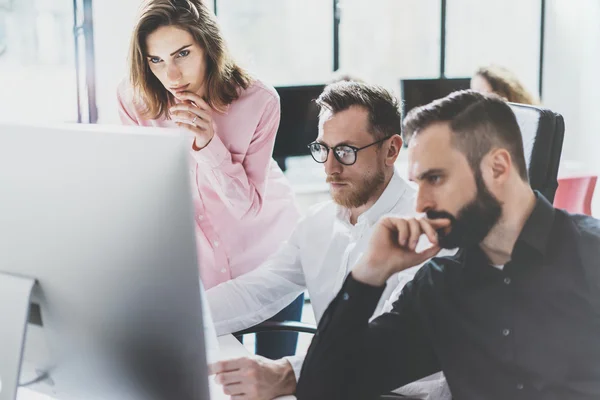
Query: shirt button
(520, 386)
(200, 217)
(223, 270)
(346, 296)
(506, 332)
(216, 243)
(507, 281)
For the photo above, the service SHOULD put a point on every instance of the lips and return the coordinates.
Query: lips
(179, 89)
(336, 184)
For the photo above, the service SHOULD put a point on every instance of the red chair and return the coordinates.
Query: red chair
(575, 194)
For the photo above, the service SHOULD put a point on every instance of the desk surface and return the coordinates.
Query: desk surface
(229, 347)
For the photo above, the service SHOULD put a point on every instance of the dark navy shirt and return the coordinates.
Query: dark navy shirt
(530, 330)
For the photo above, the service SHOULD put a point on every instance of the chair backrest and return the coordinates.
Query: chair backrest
(543, 132)
(574, 194)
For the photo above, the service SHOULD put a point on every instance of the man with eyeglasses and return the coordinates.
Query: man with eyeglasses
(358, 144)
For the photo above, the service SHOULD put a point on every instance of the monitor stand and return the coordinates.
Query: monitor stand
(15, 294)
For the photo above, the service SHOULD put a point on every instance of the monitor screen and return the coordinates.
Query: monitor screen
(299, 120)
(108, 236)
(418, 92)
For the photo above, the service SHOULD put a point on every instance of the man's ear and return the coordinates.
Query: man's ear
(395, 144)
(499, 163)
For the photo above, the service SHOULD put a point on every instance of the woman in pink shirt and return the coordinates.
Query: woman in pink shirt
(181, 75)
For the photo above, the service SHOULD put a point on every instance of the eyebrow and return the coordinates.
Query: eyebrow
(428, 173)
(173, 53)
(344, 143)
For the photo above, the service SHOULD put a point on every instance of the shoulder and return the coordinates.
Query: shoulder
(404, 198)
(586, 225)
(587, 233)
(259, 93)
(128, 100)
(125, 91)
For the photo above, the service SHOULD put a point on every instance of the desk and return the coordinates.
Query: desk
(229, 347)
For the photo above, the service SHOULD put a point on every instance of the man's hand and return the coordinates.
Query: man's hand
(392, 248)
(254, 378)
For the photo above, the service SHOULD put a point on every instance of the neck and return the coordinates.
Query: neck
(498, 245)
(358, 211)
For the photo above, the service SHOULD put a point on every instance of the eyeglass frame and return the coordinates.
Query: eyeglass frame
(353, 148)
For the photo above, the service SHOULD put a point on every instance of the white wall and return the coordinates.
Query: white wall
(572, 78)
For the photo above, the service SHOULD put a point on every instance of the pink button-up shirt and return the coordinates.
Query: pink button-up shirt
(244, 206)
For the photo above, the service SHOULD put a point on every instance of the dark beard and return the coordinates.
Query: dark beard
(473, 222)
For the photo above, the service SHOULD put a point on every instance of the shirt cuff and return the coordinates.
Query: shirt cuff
(213, 154)
(357, 301)
(296, 363)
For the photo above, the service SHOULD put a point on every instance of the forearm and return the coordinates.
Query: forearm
(247, 301)
(258, 295)
(238, 186)
(333, 367)
(369, 274)
(351, 358)
(240, 180)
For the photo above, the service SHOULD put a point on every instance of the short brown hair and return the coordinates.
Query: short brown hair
(505, 84)
(224, 76)
(478, 122)
(383, 107)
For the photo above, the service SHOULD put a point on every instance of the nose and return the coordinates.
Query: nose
(425, 201)
(332, 165)
(173, 74)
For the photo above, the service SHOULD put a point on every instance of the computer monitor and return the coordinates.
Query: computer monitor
(299, 124)
(96, 223)
(418, 92)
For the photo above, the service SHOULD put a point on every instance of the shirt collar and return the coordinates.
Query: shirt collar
(537, 228)
(391, 195)
(534, 236)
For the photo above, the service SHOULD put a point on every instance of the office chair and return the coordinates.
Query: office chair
(543, 133)
(274, 326)
(574, 194)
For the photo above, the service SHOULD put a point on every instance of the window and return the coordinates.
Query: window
(283, 42)
(503, 32)
(383, 41)
(37, 62)
(211, 5)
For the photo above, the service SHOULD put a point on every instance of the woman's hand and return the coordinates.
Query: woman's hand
(194, 114)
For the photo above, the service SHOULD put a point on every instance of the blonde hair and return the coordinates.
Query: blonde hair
(504, 83)
(224, 77)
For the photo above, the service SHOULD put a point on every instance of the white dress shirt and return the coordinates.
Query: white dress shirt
(318, 256)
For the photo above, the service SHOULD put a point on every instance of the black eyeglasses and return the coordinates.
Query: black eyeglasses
(344, 153)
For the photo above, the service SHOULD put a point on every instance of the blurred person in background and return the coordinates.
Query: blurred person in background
(501, 81)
